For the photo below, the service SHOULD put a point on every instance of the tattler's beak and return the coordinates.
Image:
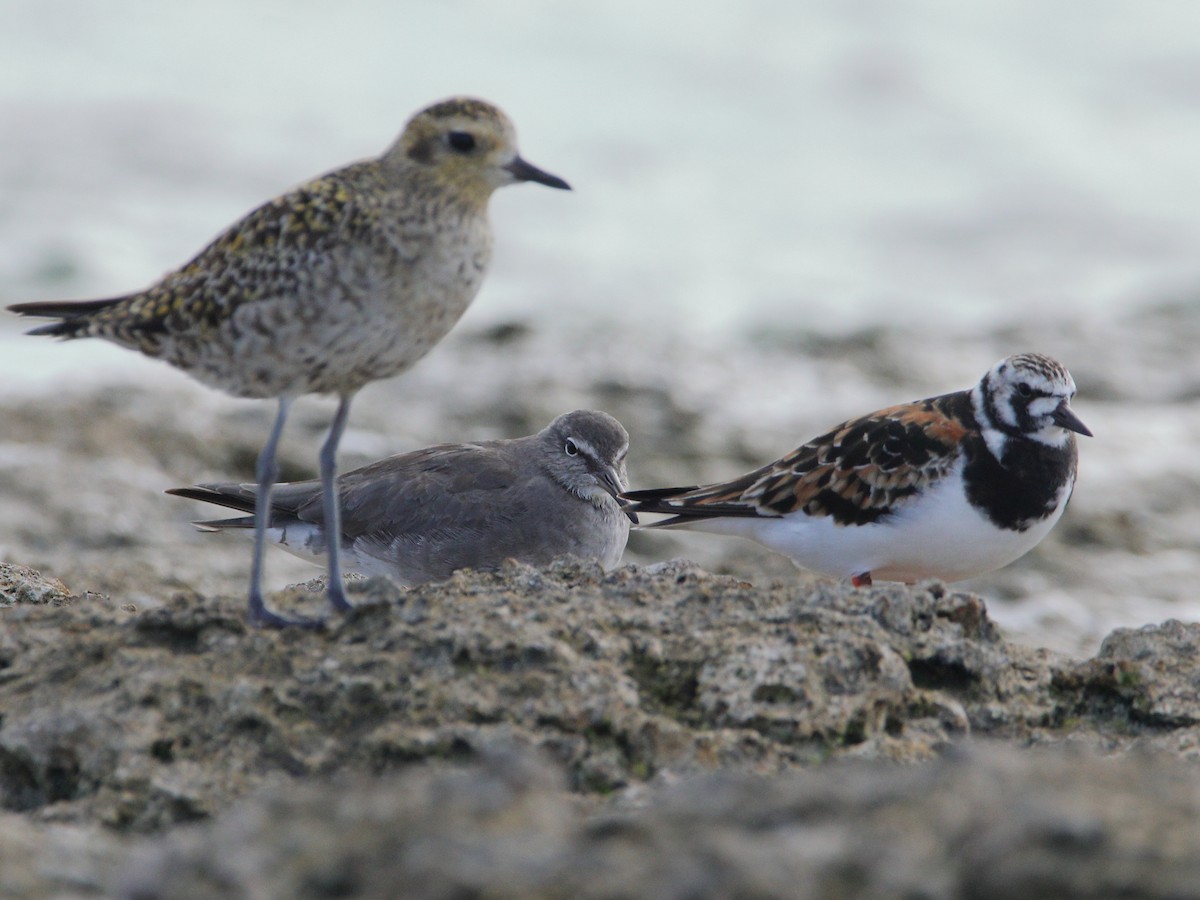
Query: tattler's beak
(523, 171)
(612, 486)
(1064, 417)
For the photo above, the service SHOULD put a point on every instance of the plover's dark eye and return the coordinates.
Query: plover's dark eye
(1024, 389)
(461, 141)
(571, 449)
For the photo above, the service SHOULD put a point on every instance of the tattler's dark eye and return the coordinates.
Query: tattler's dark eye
(1024, 389)
(571, 449)
(461, 141)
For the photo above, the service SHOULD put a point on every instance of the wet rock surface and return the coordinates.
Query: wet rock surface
(654, 731)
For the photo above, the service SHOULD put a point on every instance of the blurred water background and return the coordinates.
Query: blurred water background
(817, 161)
(796, 209)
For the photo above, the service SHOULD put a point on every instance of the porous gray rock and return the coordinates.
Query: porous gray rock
(661, 730)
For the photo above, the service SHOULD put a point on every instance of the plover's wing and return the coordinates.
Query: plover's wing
(271, 250)
(857, 473)
(282, 248)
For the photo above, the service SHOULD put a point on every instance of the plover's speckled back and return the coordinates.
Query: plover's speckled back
(351, 277)
(419, 516)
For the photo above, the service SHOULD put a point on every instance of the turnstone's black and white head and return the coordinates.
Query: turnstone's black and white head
(1027, 396)
(948, 487)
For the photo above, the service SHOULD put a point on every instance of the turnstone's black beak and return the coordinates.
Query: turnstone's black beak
(1064, 417)
(523, 171)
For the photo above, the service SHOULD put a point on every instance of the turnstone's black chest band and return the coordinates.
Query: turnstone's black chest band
(1023, 489)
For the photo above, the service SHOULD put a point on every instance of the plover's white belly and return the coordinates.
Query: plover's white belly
(939, 535)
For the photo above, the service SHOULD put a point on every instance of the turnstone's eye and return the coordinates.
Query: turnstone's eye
(1024, 389)
(571, 449)
(461, 141)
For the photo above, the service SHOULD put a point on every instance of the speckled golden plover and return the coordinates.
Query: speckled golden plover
(419, 516)
(351, 277)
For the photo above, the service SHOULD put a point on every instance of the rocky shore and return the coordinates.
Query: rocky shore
(656, 731)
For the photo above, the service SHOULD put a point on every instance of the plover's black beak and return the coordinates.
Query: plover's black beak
(1064, 417)
(523, 171)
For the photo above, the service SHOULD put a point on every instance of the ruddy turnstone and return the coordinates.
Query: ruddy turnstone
(949, 487)
(351, 277)
(419, 516)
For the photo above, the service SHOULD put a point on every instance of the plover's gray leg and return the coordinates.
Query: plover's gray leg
(332, 509)
(267, 472)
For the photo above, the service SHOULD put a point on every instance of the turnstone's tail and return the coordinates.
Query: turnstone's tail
(658, 500)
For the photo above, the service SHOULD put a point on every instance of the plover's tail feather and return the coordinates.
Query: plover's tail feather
(74, 315)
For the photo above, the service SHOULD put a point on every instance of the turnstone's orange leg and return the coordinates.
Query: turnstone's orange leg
(861, 580)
